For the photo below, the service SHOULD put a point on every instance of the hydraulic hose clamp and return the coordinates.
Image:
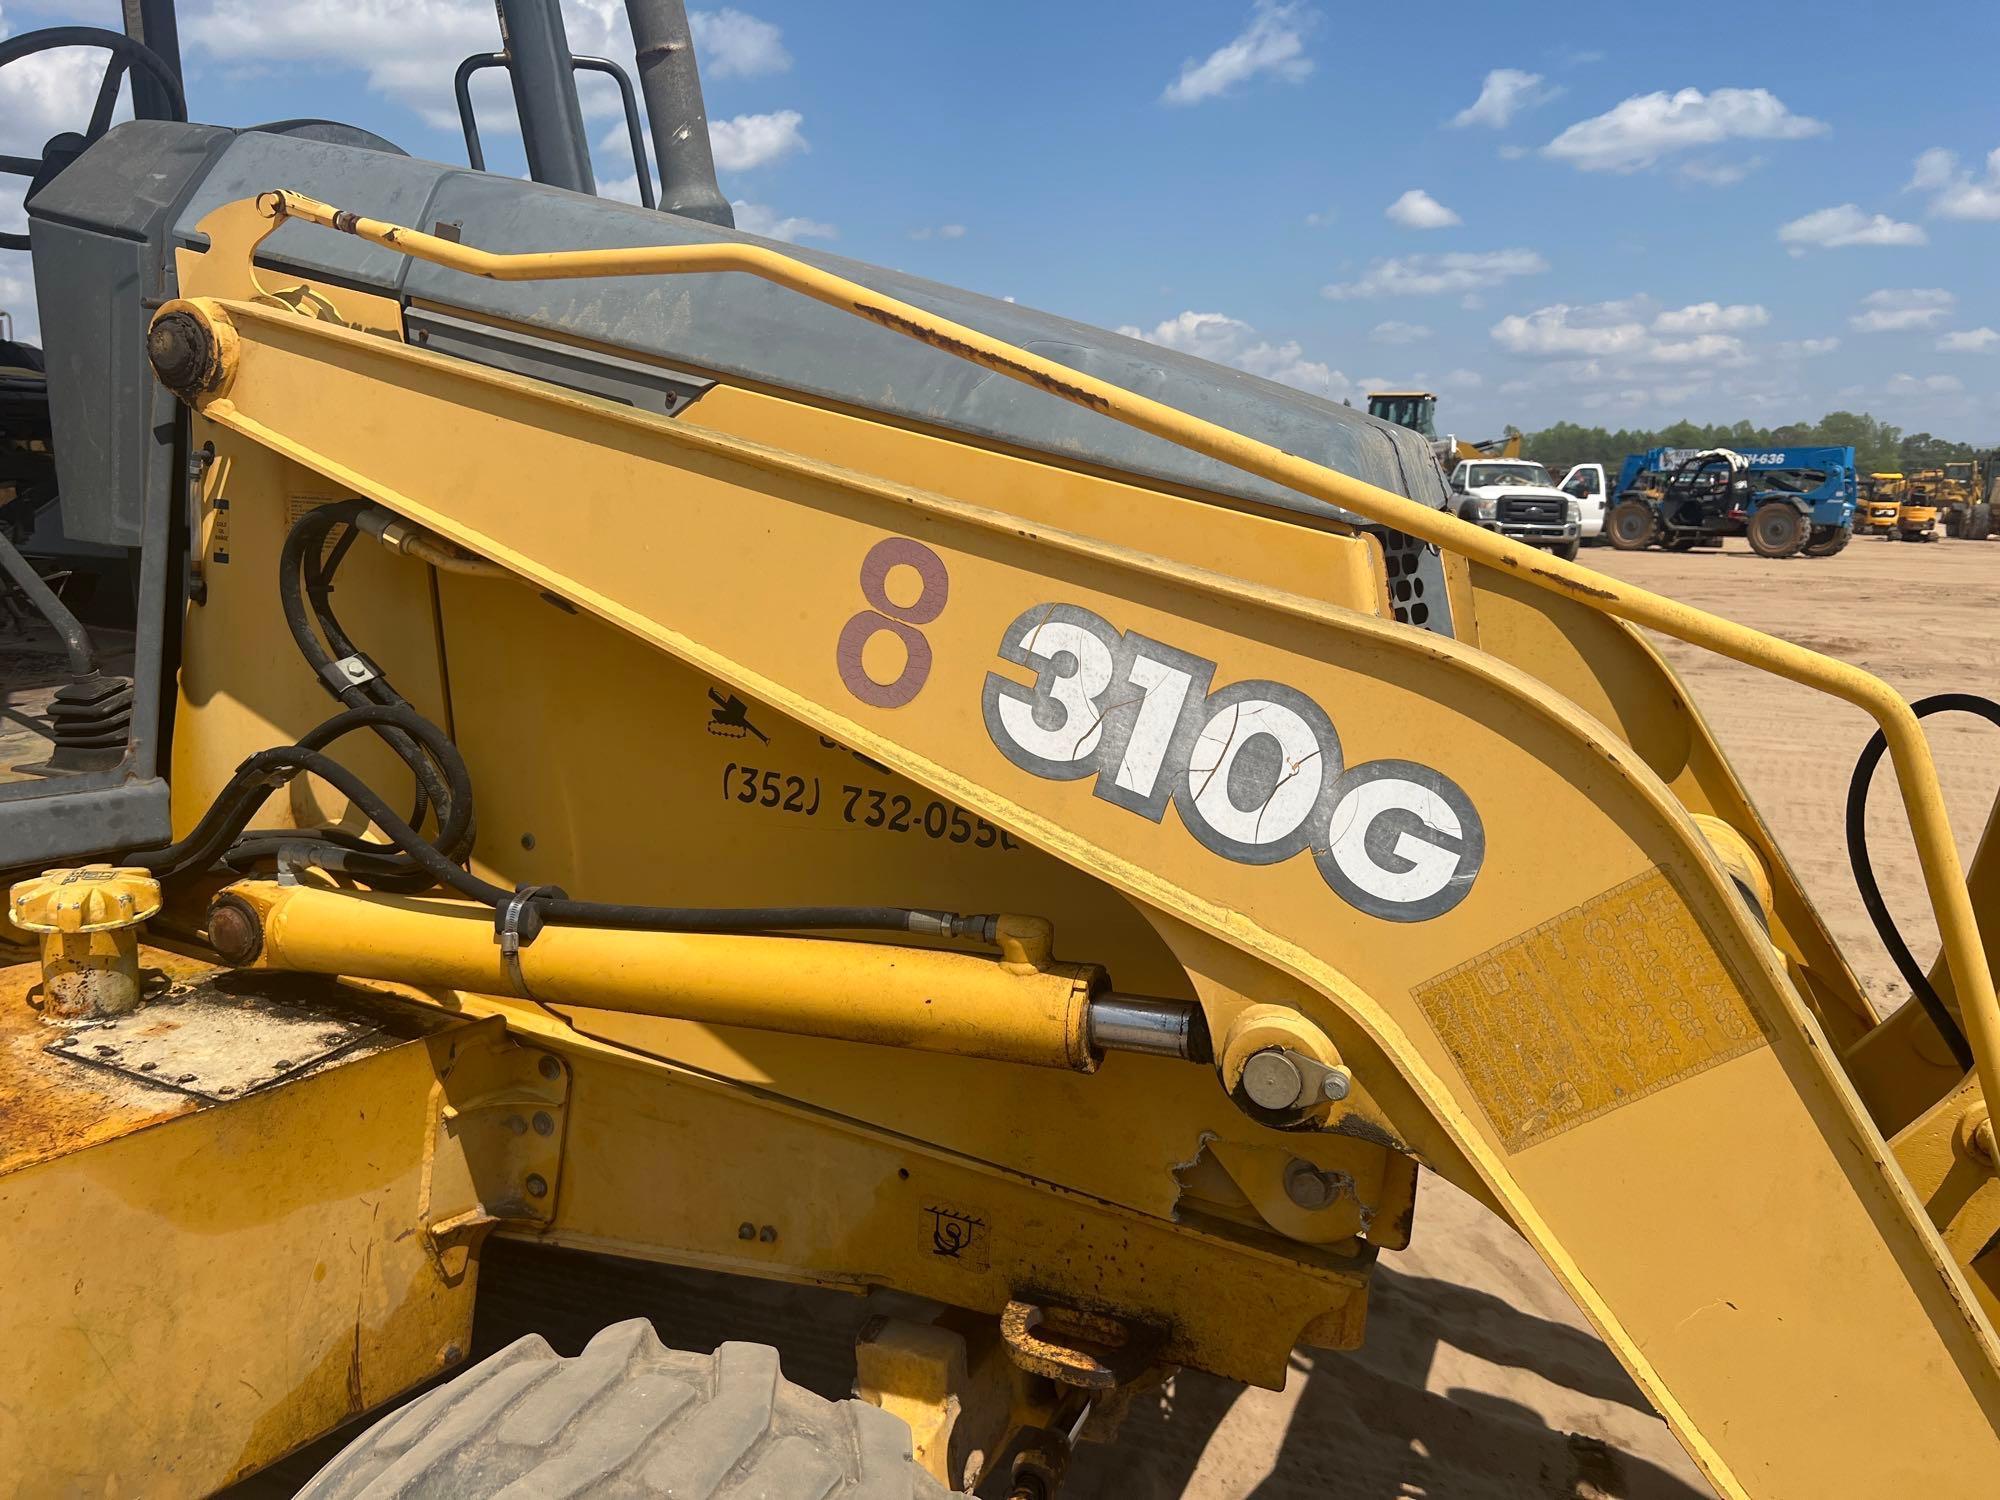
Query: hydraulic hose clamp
(507, 928)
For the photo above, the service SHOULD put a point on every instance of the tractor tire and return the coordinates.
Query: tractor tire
(1827, 540)
(1630, 525)
(1979, 522)
(1566, 550)
(628, 1418)
(1777, 530)
(1954, 523)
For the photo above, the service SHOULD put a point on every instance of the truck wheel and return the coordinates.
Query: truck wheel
(1979, 522)
(1566, 550)
(629, 1418)
(1630, 525)
(1827, 540)
(1777, 530)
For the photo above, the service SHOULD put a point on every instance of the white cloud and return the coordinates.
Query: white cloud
(625, 189)
(1712, 317)
(1231, 341)
(1320, 218)
(17, 295)
(1393, 332)
(1564, 330)
(1417, 209)
(748, 141)
(404, 48)
(757, 218)
(939, 232)
(1618, 331)
(1274, 42)
(1832, 228)
(1464, 380)
(1705, 348)
(47, 92)
(1504, 94)
(1970, 341)
(731, 44)
(1924, 385)
(1646, 127)
(1899, 311)
(1955, 192)
(1806, 348)
(1456, 271)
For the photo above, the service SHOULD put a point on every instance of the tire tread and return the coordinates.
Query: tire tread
(628, 1419)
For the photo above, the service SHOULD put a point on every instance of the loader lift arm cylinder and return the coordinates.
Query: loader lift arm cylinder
(1049, 1014)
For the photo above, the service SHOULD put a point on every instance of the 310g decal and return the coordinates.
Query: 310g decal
(1254, 769)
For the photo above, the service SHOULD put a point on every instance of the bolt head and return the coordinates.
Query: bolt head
(1272, 1080)
(1307, 1186)
(538, 1185)
(1336, 1084)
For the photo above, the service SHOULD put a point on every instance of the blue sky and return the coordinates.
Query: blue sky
(1606, 213)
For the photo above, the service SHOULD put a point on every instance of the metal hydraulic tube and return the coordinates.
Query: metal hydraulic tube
(930, 999)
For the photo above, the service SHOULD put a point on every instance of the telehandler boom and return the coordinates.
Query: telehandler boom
(970, 810)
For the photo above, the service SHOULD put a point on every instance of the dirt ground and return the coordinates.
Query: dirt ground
(1479, 1378)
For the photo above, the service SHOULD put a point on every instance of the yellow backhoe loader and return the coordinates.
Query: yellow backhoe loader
(642, 740)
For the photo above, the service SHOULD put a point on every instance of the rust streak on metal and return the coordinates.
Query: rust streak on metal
(1573, 587)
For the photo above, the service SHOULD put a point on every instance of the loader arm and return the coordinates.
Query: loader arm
(1524, 951)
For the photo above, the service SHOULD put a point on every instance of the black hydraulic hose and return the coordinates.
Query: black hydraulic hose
(1864, 868)
(286, 761)
(305, 575)
(259, 775)
(305, 580)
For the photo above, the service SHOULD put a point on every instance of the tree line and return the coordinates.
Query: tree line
(1878, 446)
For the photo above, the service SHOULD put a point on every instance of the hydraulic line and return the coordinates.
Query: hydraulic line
(1864, 867)
(409, 860)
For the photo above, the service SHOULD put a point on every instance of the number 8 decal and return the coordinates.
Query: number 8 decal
(900, 620)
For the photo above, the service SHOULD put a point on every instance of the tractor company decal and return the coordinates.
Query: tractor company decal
(1253, 768)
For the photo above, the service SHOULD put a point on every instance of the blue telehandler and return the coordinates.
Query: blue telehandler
(1786, 501)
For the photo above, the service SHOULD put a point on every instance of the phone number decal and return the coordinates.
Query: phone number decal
(862, 806)
(1253, 768)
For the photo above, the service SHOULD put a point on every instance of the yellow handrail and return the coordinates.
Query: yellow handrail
(1916, 773)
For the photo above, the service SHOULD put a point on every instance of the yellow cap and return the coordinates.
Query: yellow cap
(96, 898)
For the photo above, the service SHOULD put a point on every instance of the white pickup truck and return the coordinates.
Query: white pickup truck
(1591, 489)
(1517, 498)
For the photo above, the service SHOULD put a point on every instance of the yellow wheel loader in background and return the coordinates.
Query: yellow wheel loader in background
(640, 740)
(1881, 503)
(1417, 410)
